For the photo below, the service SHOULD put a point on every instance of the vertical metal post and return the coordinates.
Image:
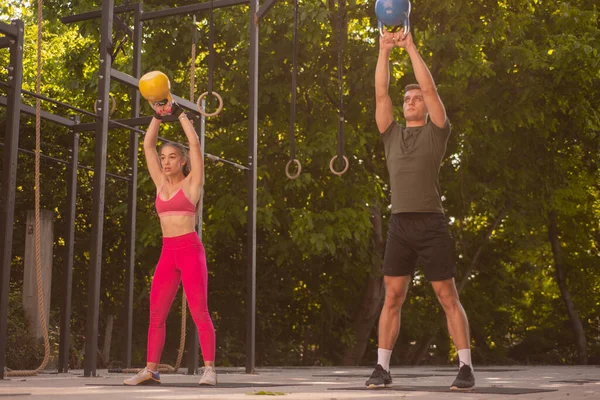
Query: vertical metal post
(94, 273)
(9, 182)
(252, 175)
(132, 188)
(192, 344)
(65, 314)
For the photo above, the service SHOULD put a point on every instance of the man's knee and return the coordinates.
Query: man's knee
(449, 301)
(447, 294)
(396, 288)
(394, 299)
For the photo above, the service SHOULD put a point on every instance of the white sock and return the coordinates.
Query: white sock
(464, 358)
(383, 358)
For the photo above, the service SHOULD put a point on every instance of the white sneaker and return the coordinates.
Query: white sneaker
(209, 376)
(144, 377)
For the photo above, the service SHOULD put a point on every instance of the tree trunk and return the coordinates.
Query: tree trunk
(559, 265)
(107, 339)
(423, 347)
(367, 313)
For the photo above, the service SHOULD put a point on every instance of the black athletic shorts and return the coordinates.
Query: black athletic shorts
(421, 237)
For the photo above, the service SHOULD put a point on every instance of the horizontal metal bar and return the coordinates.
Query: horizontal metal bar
(264, 9)
(96, 14)
(191, 9)
(5, 42)
(112, 124)
(129, 123)
(125, 123)
(134, 82)
(58, 160)
(9, 30)
(123, 178)
(60, 103)
(44, 114)
(219, 159)
(91, 126)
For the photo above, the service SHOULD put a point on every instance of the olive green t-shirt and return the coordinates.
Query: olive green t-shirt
(413, 156)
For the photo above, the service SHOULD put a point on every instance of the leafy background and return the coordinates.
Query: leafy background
(521, 83)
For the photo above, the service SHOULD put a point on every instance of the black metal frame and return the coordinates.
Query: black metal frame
(65, 314)
(14, 40)
(14, 32)
(132, 198)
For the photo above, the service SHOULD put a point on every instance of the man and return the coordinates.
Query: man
(417, 227)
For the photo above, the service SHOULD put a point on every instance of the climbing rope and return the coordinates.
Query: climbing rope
(38, 258)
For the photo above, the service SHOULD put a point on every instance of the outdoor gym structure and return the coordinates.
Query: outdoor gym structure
(109, 14)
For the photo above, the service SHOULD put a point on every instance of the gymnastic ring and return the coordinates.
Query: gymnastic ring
(201, 111)
(287, 169)
(112, 108)
(342, 171)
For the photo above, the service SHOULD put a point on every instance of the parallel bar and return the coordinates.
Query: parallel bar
(9, 30)
(44, 114)
(65, 314)
(219, 159)
(9, 181)
(58, 160)
(95, 269)
(191, 9)
(110, 174)
(133, 82)
(128, 123)
(136, 70)
(264, 9)
(252, 178)
(60, 103)
(96, 14)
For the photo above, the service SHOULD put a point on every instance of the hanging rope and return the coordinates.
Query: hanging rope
(340, 136)
(38, 258)
(211, 55)
(293, 103)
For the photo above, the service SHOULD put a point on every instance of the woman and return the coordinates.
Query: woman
(178, 180)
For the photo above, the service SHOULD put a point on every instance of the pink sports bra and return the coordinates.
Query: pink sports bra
(179, 204)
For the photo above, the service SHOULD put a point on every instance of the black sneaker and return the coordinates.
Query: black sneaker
(379, 378)
(465, 379)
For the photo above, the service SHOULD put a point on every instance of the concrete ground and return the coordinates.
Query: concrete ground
(505, 382)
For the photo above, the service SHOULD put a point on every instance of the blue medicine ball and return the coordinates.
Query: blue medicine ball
(392, 12)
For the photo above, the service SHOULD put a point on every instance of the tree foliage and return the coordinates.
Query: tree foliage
(521, 83)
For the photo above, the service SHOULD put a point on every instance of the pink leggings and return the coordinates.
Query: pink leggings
(182, 260)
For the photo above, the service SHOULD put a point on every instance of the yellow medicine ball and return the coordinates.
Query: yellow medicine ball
(155, 86)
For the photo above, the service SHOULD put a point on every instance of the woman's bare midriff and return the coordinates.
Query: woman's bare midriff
(177, 225)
